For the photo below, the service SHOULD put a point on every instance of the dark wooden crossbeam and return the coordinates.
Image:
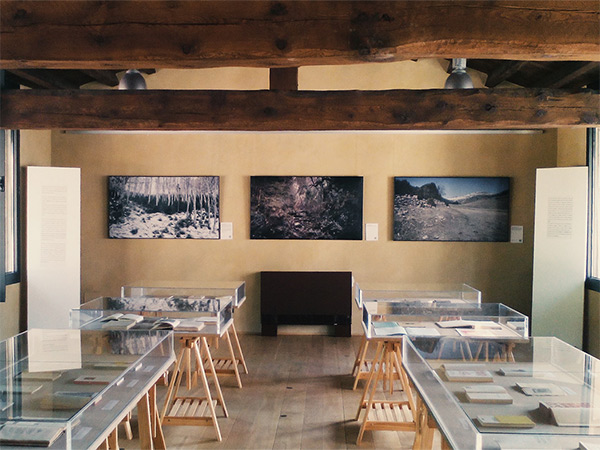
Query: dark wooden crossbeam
(106, 77)
(45, 79)
(285, 78)
(180, 34)
(568, 73)
(503, 72)
(298, 110)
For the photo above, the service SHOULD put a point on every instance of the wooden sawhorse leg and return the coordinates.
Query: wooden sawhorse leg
(360, 356)
(151, 435)
(399, 415)
(192, 410)
(227, 366)
(238, 347)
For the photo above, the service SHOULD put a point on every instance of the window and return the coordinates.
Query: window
(11, 206)
(594, 212)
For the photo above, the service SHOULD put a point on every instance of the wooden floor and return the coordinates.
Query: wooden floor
(298, 395)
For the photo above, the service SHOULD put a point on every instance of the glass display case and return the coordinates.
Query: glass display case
(546, 395)
(206, 315)
(431, 293)
(474, 320)
(235, 289)
(67, 388)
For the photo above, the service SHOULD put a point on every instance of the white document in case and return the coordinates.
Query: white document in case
(53, 350)
(388, 329)
(422, 332)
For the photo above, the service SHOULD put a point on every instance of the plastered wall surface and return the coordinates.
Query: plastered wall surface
(571, 146)
(502, 271)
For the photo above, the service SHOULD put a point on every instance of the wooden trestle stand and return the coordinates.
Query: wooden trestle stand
(362, 366)
(190, 410)
(392, 415)
(230, 366)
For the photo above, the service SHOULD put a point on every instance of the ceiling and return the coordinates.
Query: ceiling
(548, 51)
(63, 78)
(527, 74)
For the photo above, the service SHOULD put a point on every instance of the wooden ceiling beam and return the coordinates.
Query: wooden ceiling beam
(78, 34)
(567, 74)
(298, 110)
(284, 78)
(46, 79)
(503, 72)
(26, 78)
(106, 77)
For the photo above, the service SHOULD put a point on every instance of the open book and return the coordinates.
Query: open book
(487, 393)
(387, 329)
(120, 321)
(540, 389)
(165, 323)
(190, 325)
(462, 323)
(467, 372)
(571, 414)
(41, 434)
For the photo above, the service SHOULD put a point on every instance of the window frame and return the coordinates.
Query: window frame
(15, 141)
(593, 162)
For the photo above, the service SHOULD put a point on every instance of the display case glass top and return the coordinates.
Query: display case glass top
(474, 320)
(65, 388)
(416, 293)
(235, 289)
(184, 314)
(543, 394)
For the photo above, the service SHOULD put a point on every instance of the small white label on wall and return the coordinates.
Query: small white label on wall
(226, 230)
(516, 234)
(372, 232)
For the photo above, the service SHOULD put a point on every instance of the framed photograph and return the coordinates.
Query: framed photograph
(163, 207)
(472, 209)
(284, 207)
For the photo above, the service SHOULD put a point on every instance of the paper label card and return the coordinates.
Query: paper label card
(516, 234)
(227, 230)
(372, 232)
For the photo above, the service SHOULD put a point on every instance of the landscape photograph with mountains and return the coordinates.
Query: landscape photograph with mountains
(474, 209)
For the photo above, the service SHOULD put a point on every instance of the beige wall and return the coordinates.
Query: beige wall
(501, 270)
(35, 151)
(571, 147)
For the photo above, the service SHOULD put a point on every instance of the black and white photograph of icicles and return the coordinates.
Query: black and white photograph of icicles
(283, 207)
(474, 209)
(163, 207)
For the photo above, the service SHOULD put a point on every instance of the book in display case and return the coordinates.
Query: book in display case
(424, 293)
(546, 395)
(68, 389)
(476, 321)
(183, 314)
(234, 289)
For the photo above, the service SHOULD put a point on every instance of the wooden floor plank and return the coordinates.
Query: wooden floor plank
(297, 394)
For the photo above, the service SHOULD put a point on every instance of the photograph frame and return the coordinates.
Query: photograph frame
(451, 208)
(164, 207)
(306, 207)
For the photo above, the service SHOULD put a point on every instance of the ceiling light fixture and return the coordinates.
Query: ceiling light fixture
(459, 78)
(132, 80)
